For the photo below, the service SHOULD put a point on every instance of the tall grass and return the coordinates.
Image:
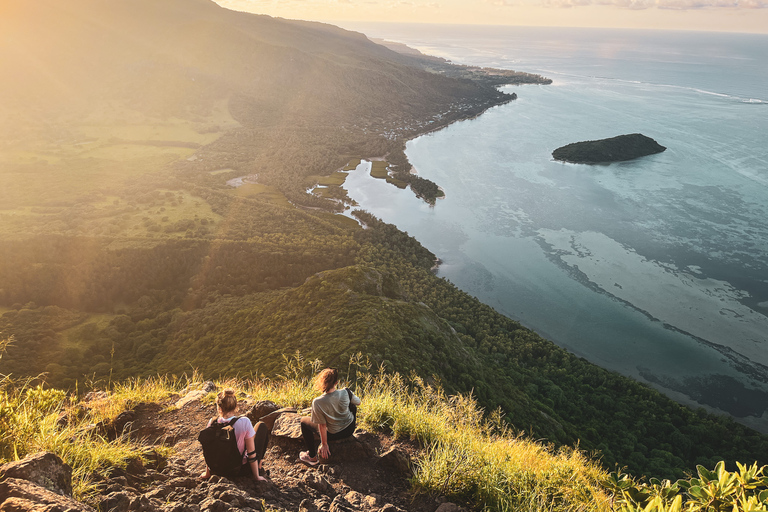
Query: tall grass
(34, 419)
(477, 459)
(466, 455)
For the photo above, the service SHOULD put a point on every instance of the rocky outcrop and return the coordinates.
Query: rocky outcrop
(366, 472)
(615, 149)
(39, 482)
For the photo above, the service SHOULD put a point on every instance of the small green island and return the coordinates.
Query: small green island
(614, 149)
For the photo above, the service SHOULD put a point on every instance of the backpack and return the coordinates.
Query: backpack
(352, 407)
(220, 448)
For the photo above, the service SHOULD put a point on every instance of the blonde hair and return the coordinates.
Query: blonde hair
(326, 379)
(226, 400)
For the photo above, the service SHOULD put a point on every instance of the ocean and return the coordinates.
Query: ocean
(656, 268)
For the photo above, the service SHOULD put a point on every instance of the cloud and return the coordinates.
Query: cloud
(639, 4)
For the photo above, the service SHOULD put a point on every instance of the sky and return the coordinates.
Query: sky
(703, 15)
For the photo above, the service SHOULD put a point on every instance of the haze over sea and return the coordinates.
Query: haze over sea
(657, 267)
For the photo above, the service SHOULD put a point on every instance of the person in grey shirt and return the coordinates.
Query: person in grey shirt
(334, 416)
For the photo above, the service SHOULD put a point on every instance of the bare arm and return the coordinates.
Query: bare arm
(323, 450)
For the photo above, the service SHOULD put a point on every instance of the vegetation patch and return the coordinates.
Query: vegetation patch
(262, 192)
(396, 182)
(352, 165)
(379, 169)
(334, 180)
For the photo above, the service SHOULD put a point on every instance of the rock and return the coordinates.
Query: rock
(317, 482)
(186, 482)
(21, 495)
(447, 507)
(261, 408)
(180, 507)
(232, 498)
(287, 425)
(209, 386)
(115, 428)
(190, 397)
(157, 477)
(213, 505)
(92, 396)
(339, 504)
(115, 502)
(270, 418)
(354, 498)
(135, 466)
(614, 149)
(322, 503)
(44, 469)
(160, 493)
(142, 504)
(220, 487)
(389, 508)
(397, 460)
(371, 501)
(348, 449)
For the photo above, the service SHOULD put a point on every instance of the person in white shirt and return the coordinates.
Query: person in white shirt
(251, 441)
(334, 416)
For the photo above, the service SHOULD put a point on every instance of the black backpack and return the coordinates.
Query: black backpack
(220, 448)
(352, 407)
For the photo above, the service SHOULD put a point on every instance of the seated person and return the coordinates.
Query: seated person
(334, 416)
(251, 441)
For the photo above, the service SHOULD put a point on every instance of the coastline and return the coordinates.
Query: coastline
(707, 328)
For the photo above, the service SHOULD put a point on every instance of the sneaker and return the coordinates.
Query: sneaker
(305, 458)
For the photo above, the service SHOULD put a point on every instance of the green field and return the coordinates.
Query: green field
(379, 170)
(334, 180)
(264, 193)
(157, 214)
(396, 182)
(352, 165)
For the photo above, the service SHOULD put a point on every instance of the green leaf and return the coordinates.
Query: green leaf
(704, 474)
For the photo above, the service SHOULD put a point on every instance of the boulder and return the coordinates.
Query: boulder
(214, 505)
(317, 482)
(190, 397)
(339, 504)
(20, 495)
(115, 502)
(448, 507)
(287, 425)
(348, 449)
(270, 418)
(44, 469)
(354, 498)
(209, 386)
(397, 460)
(261, 408)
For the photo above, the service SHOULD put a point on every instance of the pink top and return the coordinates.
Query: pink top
(243, 430)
